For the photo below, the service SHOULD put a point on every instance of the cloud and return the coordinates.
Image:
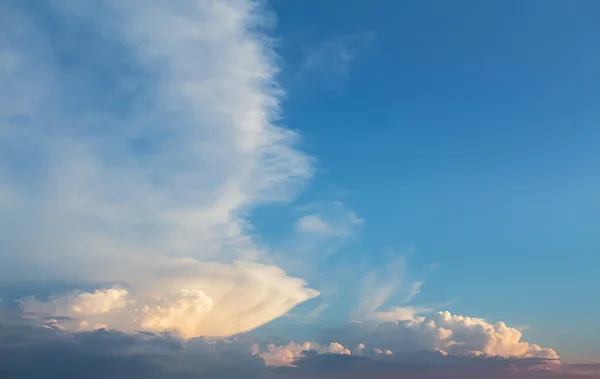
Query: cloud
(27, 352)
(398, 314)
(332, 58)
(332, 221)
(318, 310)
(413, 339)
(415, 289)
(430, 366)
(31, 352)
(314, 224)
(135, 140)
(444, 332)
(287, 355)
(215, 305)
(379, 285)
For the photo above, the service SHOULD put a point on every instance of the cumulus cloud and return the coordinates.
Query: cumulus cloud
(209, 306)
(438, 338)
(135, 138)
(447, 333)
(287, 355)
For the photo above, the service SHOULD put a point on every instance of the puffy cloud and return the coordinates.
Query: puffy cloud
(76, 303)
(232, 300)
(379, 351)
(136, 160)
(442, 331)
(287, 355)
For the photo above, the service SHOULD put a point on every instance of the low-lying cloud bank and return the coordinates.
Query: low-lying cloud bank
(29, 352)
(192, 313)
(442, 333)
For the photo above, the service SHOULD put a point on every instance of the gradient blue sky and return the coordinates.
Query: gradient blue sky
(427, 155)
(466, 132)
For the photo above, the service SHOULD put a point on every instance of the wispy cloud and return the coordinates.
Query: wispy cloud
(332, 58)
(333, 220)
(415, 289)
(318, 310)
(379, 285)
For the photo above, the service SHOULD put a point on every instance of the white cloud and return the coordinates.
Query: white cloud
(415, 289)
(317, 311)
(452, 334)
(138, 162)
(398, 314)
(314, 224)
(286, 355)
(225, 301)
(332, 221)
(379, 285)
(441, 333)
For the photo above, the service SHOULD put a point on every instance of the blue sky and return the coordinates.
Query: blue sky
(371, 179)
(467, 132)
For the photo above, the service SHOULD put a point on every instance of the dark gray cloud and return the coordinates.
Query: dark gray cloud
(29, 352)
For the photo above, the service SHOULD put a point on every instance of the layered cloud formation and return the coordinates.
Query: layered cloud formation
(32, 353)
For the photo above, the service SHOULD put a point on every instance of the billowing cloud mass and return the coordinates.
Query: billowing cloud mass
(241, 298)
(135, 138)
(453, 334)
(441, 332)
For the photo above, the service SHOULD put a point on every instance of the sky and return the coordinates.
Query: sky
(299, 189)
